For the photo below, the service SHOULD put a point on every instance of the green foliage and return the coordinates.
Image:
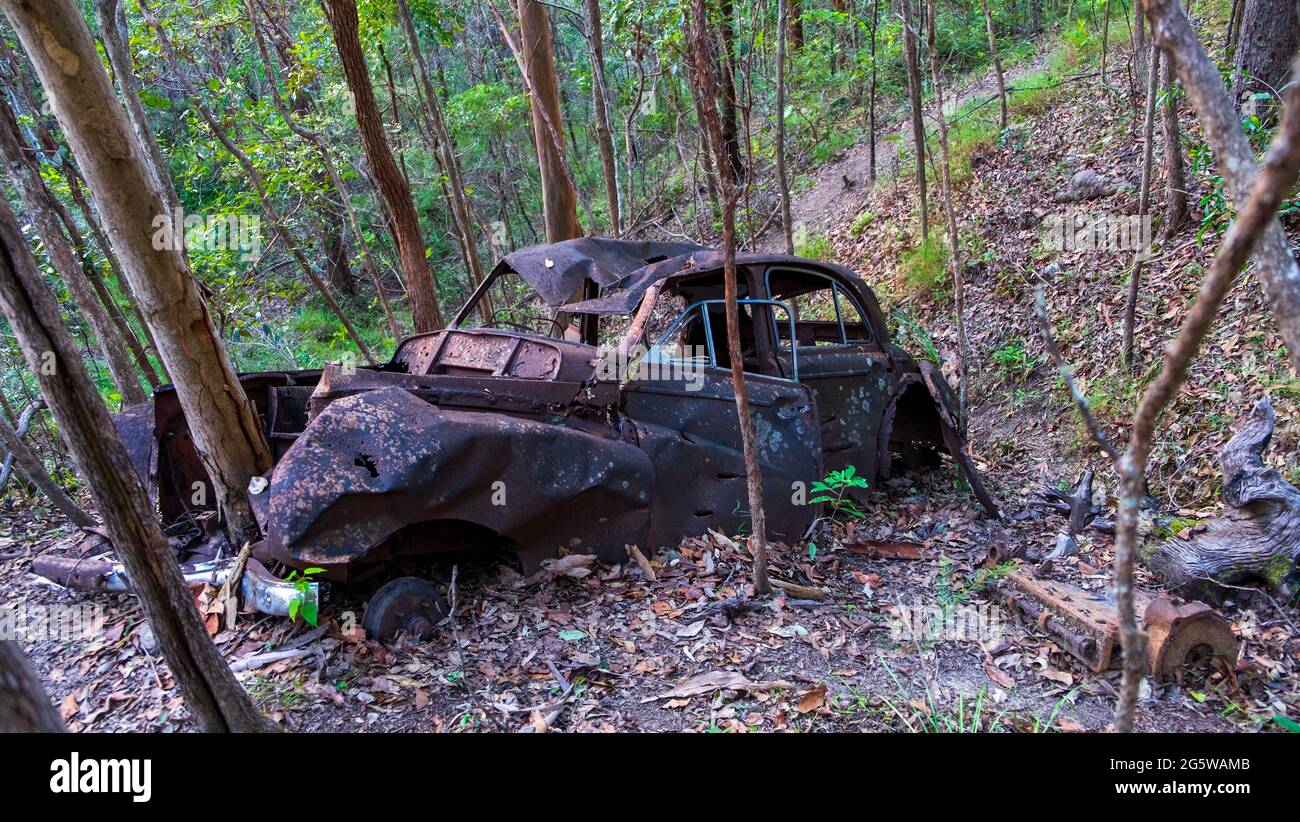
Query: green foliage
(833, 490)
(912, 337)
(815, 247)
(301, 602)
(951, 592)
(923, 271)
(861, 223)
(1015, 359)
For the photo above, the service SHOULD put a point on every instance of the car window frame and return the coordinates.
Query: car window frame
(656, 350)
(836, 290)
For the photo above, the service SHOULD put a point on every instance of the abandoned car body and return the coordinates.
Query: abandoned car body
(508, 435)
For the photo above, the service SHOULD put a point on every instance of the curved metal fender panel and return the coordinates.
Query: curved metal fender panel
(374, 462)
(953, 428)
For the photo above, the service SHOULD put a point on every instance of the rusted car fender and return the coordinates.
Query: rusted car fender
(374, 463)
(945, 427)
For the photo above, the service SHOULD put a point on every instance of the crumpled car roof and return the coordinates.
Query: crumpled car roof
(626, 294)
(556, 270)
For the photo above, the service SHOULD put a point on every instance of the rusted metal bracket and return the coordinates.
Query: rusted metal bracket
(1087, 624)
(259, 588)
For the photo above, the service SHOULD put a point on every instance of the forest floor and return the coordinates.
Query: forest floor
(613, 650)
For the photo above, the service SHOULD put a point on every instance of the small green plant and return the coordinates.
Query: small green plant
(833, 490)
(913, 337)
(923, 270)
(861, 222)
(815, 247)
(1046, 726)
(302, 602)
(949, 592)
(1015, 359)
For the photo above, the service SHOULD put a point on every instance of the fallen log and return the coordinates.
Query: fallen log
(1256, 541)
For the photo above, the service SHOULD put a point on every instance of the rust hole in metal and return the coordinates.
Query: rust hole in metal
(364, 461)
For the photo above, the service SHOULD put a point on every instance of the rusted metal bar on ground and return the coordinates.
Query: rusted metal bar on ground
(1087, 624)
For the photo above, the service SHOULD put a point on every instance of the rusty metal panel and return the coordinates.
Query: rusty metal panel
(692, 438)
(376, 462)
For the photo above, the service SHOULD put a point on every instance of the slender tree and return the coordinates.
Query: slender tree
(536, 58)
(1105, 37)
(727, 76)
(871, 94)
(600, 106)
(223, 423)
(704, 67)
(390, 180)
(918, 113)
(997, 63)
(1175, 171)
(782, 182)
(950, 214)
(1144, 209)
(445, 152)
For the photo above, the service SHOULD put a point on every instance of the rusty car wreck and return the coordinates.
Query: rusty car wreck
(602, 418)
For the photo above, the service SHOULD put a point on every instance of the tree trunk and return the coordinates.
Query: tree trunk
(871, 105)
(599, 98)
(704, 71)
(1105, 37)
(997, 62)
(783, 183)
(1270, 33)
(1138, 64)
(1258, 540)
(794, 23)
(918, 123)
(392, 184)
(445, 151)
(1232, 32)
(727, 73)
(537, 61)
(1175, 172)
(114, 34)
(24, 707)
(335, 254)
(38, 202)
(211, 692)
(950, 213)
(222, 422)
(1144, 208)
